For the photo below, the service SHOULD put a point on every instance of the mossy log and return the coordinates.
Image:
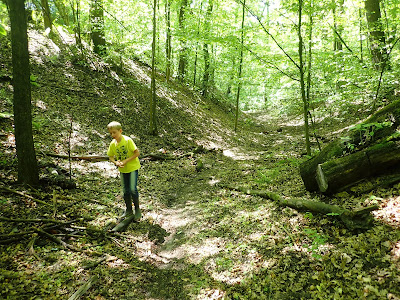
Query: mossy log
(352, 219)
(340, 146)
(123, 225)
(334, 175)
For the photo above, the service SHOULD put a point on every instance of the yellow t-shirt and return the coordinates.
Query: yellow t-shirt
(123, 150)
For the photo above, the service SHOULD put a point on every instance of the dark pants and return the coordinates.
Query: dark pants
(129, 188)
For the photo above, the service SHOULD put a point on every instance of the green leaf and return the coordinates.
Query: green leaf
(2, 30)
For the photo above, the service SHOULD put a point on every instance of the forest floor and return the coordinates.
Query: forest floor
(198, 238)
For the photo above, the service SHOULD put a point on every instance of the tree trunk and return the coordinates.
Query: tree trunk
(168, 46)
(337, 11)
(183, 51)
(76, 12)
(46, 14)
(206, 52)
(27, 164)
(97, 24)
(337, 174)
(376, 33)
(240, 68)
(303, 84)
(153, 104)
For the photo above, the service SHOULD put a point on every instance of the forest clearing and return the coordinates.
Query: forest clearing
(229, 208)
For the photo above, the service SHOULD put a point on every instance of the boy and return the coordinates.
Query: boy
(124, 154)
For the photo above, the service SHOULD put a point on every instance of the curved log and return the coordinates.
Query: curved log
(352, 219)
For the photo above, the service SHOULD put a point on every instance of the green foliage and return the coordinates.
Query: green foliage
(33, 79)
(38, 123)
(3, 30)
(367, 133)
(317, 240)
(267, 176)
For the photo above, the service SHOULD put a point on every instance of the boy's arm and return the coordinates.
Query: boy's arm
(135, 154)
(112, 159)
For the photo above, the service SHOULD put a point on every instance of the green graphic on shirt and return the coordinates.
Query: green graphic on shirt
(122, 153)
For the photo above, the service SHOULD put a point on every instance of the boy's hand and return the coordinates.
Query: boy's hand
(119, 164)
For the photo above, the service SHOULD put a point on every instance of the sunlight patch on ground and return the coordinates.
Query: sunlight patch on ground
(117, 263)
(239, 154)
(210, 294)
(396, 251)
(138, 72)
(196, 253)
(40, 46)
(389, 212)
(40, 104)
(171, 219)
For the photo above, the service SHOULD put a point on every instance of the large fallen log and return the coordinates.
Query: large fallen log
(352, 219)
(335, 175)
(356, 139)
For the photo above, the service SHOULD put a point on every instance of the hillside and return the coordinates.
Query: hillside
(198, 238)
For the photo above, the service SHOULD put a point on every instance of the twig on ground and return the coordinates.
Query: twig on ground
(24, 195)
(83, 289)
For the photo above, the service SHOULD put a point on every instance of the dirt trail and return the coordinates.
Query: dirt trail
(191, 205)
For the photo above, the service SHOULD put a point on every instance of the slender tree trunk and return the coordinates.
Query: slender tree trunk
(361, 35)
(197, 48)
(153, 118)
(97, 24)
(183, 51)
(206, 52)
(46, 14)
(337, 11)
(376, 33)
(302, 83)
(76, 11)
(168, 48)
(240, 70)
(27, 164)
(309, 62)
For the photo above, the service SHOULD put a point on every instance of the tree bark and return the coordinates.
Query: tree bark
(27, 165)
(376, 33)
(240, 69)
(97, 24)
(153, 104)
(303, 83)
(308, 169)
(46, 14)
(206, 52)
(337, 174)
(168, 41)
(183, 51)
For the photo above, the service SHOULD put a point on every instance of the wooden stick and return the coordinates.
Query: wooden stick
(91, 158)
(37, 221)
(58, 241)
(83, 289)
(24, 195)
